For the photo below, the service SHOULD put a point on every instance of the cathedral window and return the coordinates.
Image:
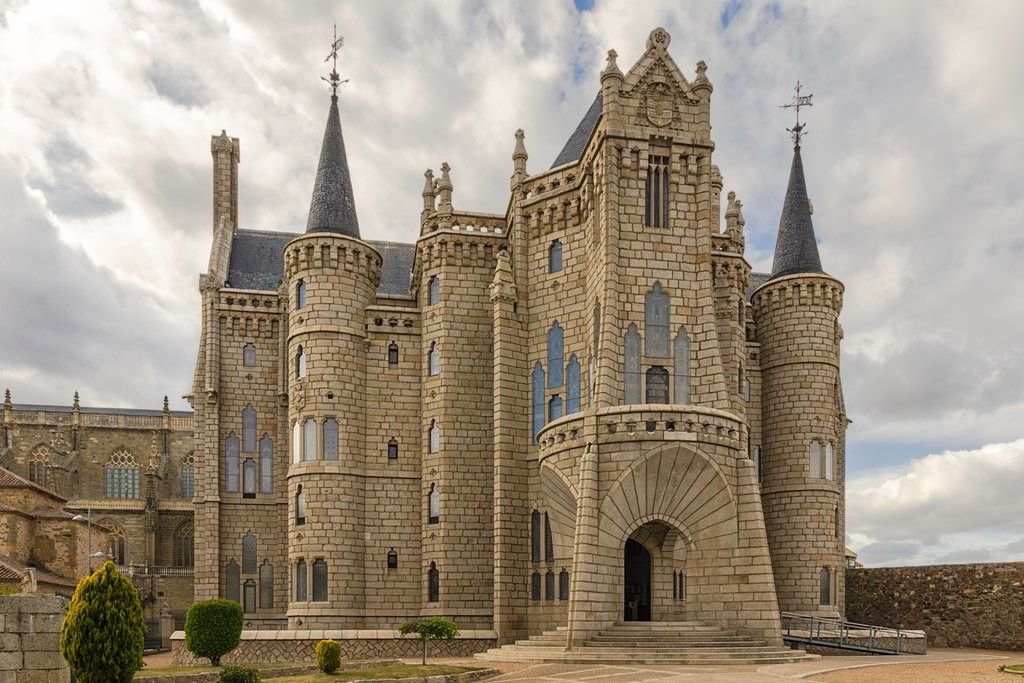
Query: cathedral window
(555, 407)
(188, 477)
(657, 385)
(434, 360)
(184, 547)
(656, 192)
(535, 586)
(433, 438)
(300, 581)
(549, 541)
(116, 543)
(330, 439)
(572, 390)
(555, 257)
(631, 365)
(433, 583)
(392, 449)
(38, 460)
(392, 353)
(123, 475)
(300, 363)
(755, 455)
(231, 463)
(309, 439)
(433, 290)
(433, 505)
(681, 353)
(825, 586)
(266, 585)
(266, 464)
(296, 442)
(656, 317)
(300, 294)
(249, 478)
(249, 596)
(249, 553)
(563, 584)
(549, 585)
(535, 536)
(232, 582)
(537, 380)
(249, 355)
(300, 505)
(319, 580)
(392, 559)
(249, 429)
(556, 355)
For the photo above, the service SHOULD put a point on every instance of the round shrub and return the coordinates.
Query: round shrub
(328, 656)
(239, 674)
(213, 628)
(104, 634)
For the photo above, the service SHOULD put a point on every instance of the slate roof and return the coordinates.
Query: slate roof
(10, 480)
(577, 142)
(756, 280)
(257, 262)
(333, 207)
(796, 250)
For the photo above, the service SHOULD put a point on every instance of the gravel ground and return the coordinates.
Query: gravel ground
(940, 672)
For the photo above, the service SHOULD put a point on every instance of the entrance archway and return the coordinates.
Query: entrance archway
(636, 566)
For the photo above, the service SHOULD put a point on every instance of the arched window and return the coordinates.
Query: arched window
(681, 358)
(296, 442)
(232, 582)
(433, 359)
(631, 365)
(188, 477)
(535, 536)
(549, 541)
(184, 548)
(123, 475)
(300, 363)
(830, 461)
(300, 581)
(330, 439)
(38, 460)
(300, 505)
(815, 457)
(249, 355)
(392, 559)
(656, 317)
(309, 439)
(392, 353)
(682, 585)
(563, 584)
(249, 596)
(319, 580)
(572, 390)
(266, 464)
(249, 429)
(231, 463)
(433, 290)
(116, 543)
(535, 586)
(556, 355)
(433, 438)
(433, 505)
(537, 380)
(249, 553)
(555, 257)
(266, 585)
(249, 478)
(300, 294)
(555, 407)
(433, 584)
(549, 585)
(656, 192)
(825, 586)
(657, 384)
(392, 449)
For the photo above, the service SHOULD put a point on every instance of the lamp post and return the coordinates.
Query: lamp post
(87, 518)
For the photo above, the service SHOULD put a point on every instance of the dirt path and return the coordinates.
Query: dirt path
(938, 672)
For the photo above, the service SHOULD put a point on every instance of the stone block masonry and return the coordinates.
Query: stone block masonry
(30, 639)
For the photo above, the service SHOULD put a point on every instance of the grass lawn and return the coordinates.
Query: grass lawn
(390, 671)
(174, 670)
(1013, 668)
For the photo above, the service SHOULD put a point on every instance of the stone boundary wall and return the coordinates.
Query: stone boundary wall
(30, 639)
(957, 605)
(285, 646)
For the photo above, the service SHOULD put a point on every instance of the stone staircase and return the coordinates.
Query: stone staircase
(680, 643)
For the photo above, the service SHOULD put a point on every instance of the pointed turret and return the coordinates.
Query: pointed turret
(796, 250)
(333, 207)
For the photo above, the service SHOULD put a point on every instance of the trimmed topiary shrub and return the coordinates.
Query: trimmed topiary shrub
(430, 628)
(103, 634)
(213, 628)
(328, 656)
(239, 674)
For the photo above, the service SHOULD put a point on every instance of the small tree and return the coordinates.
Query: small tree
(431, 628)
(328, 656)
(104, 634)
(213, 628)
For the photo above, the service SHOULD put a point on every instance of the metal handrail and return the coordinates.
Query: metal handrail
(829, 631)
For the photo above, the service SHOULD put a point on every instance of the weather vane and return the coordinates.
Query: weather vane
(334, 79)
(797, 131)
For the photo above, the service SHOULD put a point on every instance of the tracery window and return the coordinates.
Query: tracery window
(319, 580)
(188, 477)
(249, 429)
(116, 543)
(231, 463)
(123, 475)
(309, 439)
(656, 319)
(266, 585)
(537, 380)
(38, 460)
(232, 582)
(681, 353)
(330, 439)
(656, 196)
(249, 553)
(433, 583)
(555, 257)
(433, 290)
(657, 385)
(556, 355)
(631, 365)
(184, 548)
(249, 355)
(572, 391)
(266, 464)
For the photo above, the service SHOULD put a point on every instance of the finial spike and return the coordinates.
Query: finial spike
(333, 79)
(797, 131)
(75, 404)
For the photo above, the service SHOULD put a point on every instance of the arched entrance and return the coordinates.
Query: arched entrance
(636, 567)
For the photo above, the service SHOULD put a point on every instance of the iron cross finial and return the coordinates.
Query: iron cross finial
(797, 131)
(334, 79)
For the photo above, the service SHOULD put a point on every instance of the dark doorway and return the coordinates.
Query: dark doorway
(637, 574)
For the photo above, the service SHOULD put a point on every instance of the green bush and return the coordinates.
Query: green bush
(213, 628)
(239, 674)
(328, 656)
(431, 628)
(103, 634)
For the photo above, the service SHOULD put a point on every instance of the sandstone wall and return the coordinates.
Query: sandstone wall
(30, 639)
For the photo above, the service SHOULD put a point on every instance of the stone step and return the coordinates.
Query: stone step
(697, 647)
(676, 660)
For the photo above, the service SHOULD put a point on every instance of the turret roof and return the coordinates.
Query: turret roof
(577, 142)
(796, 250)
(333, 207)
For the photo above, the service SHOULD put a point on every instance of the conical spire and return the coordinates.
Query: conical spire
(796, 250)
(333, 207)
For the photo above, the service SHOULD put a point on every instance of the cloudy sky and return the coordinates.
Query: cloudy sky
(913, 162)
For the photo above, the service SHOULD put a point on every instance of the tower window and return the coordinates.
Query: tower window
(249, 478)
(266, 464)
(631, 365)
(572, 392)
(392, 450)
(830, 461)
(330, 439)
(249, 429)
(300, 363)
(232, 582)
(549, 585)
(822, 456)
(433, 584)
(825, 586)
(555, 257)
(549, 541)
(433, 438)
(296, 442)
(535, 536)
(300, 294)
(433, 505)
(556, 355)
(266, 585)
(563, 584)
(319, 580)
(309, 439)
(249, 355)
(555, 407)
(657, 384)
(433, 360)
(249, 553)
(392, 559)
(681, 353)
(815, 459)
(535, 586)
(300, 581)
(656, 321)
(231, 463)
(433, 290)
(392, 353)
(656, 195)
(300, 505)
(755, 455)
(537, 381)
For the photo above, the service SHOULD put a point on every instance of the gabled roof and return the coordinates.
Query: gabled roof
(577, 142)
(796, 250)
(10, 480)
(333, 207)
(12, 570)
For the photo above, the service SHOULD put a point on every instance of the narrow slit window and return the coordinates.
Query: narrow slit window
(537, 380)
(535, 536)
(434, 360)
(392, 353)
(300, 505)
(300, 581)
(266, 464)
(392, 450)
(549, 585)
(563, 584)
(231, 463)
(249, 355)
(296, 442)
(556, 355)
(433, 290)
(392, 559)
(433, 505)
(535, 586)
(555, 257)
(572, 390)
(300, 294)
(657, 385)
(631, 365)
(656, 192)
(549, 541)
(331, 439)
(300, 363)
(433, 583)
(319, 580)
(309, 439)
(656, 322)
(249, 429)
(434, 438)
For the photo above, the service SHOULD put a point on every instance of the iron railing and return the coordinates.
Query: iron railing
(847, 635)
(143, 570)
